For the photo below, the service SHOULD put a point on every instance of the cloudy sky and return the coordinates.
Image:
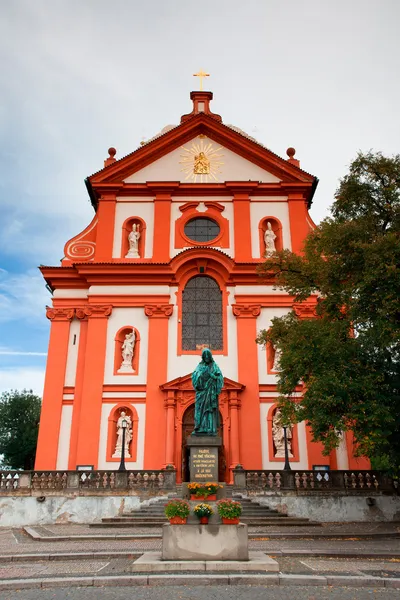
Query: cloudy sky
(78, 76)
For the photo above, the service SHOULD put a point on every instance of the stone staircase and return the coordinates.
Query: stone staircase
(152, 515)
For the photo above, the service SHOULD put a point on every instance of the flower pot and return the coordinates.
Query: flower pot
(203, 520)
(178, 520)
(234, 521)
(194, 497)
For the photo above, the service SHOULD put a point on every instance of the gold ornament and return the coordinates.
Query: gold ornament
(201, 162)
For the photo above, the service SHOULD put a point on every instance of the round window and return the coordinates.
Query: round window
(201, 229)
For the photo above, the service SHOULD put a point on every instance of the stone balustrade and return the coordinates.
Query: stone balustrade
(36, 483)
(313, 481)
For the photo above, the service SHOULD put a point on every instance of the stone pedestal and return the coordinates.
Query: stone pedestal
(205, 542)
(203, 457)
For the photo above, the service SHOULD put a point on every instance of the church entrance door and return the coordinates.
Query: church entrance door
(187, 428)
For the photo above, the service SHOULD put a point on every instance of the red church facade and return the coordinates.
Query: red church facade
(201, 196)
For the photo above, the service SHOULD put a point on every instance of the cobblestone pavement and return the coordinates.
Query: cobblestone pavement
(15, 541)
(325, 528)
(123, 566)
(203, 593)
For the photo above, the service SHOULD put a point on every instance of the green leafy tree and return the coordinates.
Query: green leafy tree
(19, 419)
(348, 356)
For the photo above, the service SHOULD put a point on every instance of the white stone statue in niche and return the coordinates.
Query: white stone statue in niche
(279, 437)
(120, 433)
(133, 239)
(127, 350)
(269, 239)
(277, 358)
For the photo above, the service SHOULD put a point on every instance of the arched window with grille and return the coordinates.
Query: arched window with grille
(202, 314)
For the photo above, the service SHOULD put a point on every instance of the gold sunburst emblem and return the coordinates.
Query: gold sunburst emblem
(201, 162)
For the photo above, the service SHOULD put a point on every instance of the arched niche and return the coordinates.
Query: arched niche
(276, 226)
(271, 353)
(112, 431)
(271, 445)
(126, 229)
(118, 341)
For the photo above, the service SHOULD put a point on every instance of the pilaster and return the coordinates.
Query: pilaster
(234, 405)
(105, 226)
(170, 405)
(157, 364)
(298, 214)
(241, 214)
(50, 418)
(162, 218)
(249, 426)
(92, 383)
(80, 370)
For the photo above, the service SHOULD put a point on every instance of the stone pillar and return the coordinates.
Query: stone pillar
(50, 417)
(157, 363)
(170, 432)
(250, 427)
(169, 478)
(92, 385)
(239, 477)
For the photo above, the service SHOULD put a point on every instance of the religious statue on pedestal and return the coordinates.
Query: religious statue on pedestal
(278, 436)
(207, 380)
(120, 433)
(269, 239)
(277, 358)
(133, 239)
(127, 351)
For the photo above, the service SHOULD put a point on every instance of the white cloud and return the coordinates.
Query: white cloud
(22, 296)
(19, 378)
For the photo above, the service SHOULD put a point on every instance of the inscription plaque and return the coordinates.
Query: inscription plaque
(203, 464)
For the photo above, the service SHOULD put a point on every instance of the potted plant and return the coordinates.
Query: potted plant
(177, 511)
(203, 512)
(203, 491)
(229, 511)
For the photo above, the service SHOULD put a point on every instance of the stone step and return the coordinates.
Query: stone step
(159, 522)
(245, 513)
(134, 518)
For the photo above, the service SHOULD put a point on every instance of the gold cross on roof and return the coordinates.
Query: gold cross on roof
(201, 76)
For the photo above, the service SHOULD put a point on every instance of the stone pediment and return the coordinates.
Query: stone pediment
(185, 383)
(201, 125)
(231, 156)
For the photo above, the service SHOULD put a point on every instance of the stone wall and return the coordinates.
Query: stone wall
(334, 507)
(18, 511)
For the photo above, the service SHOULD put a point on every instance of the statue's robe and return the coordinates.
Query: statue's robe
(207, 380)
